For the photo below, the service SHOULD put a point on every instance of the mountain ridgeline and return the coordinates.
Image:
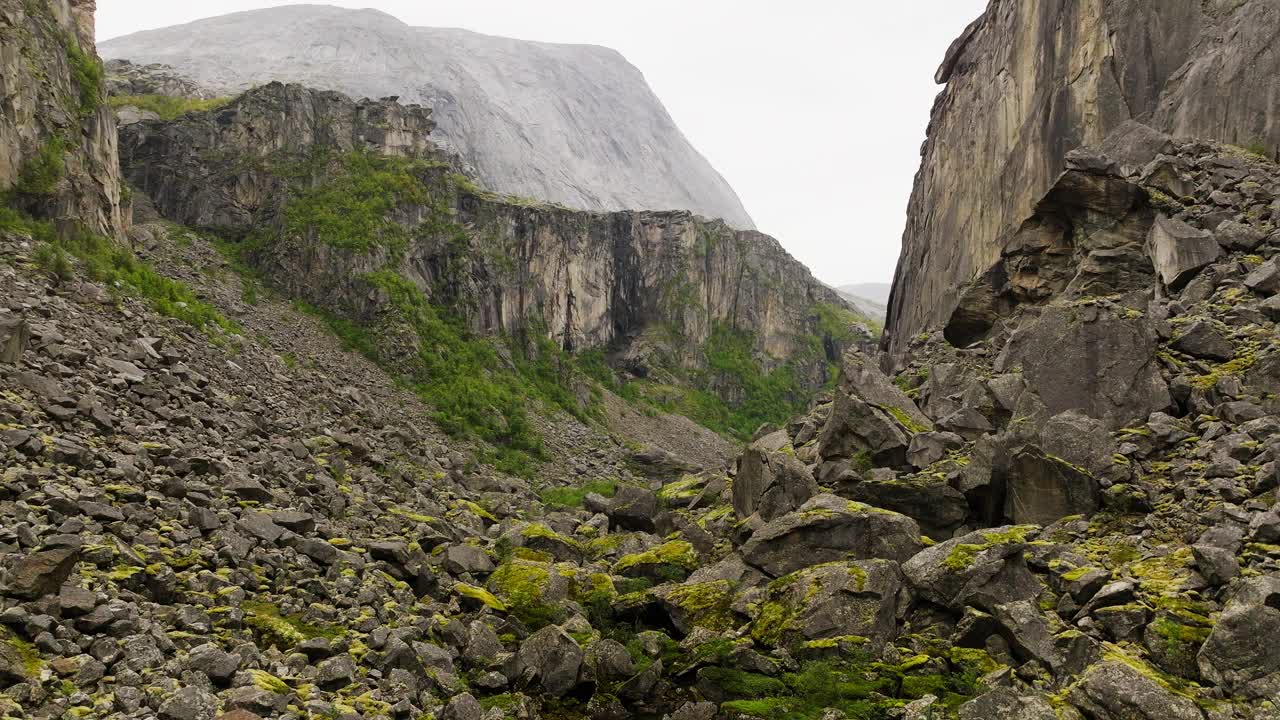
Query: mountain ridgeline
(571, 124)
(300, 420)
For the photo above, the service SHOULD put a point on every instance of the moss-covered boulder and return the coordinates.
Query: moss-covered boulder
(671, 561)
(707, 605)
(984, 568)
(532, 591)
(836, 600)
(826, 529)
(542, 539)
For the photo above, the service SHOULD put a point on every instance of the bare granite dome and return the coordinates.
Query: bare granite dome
(571, 124)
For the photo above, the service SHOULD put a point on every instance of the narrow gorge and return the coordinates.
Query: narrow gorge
(305, 413)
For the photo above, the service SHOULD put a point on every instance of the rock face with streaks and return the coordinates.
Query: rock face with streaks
(587, 280)
(57, 137)
(1029, 82)
(570, 124)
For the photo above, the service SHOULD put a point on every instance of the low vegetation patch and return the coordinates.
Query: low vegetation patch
(573, 497)
(168, 108)
(117, 268)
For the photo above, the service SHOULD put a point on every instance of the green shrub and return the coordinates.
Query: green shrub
(42, 172)
(1258, 149)
(86, 73)
(53, 259)
(352, 208)
(168, 108)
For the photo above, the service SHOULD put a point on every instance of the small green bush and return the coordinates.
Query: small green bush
(87, 74)
(352, 208)
(1258, 149)
(42, 173)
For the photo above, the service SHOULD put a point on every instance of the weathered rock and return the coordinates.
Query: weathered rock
(633, 508)
(983, 568)
(1042, 489)
(462, 707)
(1201, 339)
(189, 703)
(1178, 251)
(34, 575)
(1242, 654)
(1217, 565)
(550, 658)
(1007, 704)
(14, 337)
(827, 529)
(936, 506)
(838, 599)
(1062, 352)
(1265, 278)
(770, 480)
(1114, 690)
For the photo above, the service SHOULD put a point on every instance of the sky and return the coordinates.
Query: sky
(813, 110)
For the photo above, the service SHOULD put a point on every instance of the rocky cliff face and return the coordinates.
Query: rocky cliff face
(57, 137)
(587, 280)
(574, 125)
(1028, 82)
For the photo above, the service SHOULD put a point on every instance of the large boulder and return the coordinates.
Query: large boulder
(836, 600)
(1242, 654)
(1115, 690)
(1178, 251)
(770, 480)
(871, 417)
(1041, 489)
(633, 508)
(15, 335)
(829, 529)
(550, 658)
(1090, 358)
(984, 569)
(1007, 704)
(34, 575)
(936, 506)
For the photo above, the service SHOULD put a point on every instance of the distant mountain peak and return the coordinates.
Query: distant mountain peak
(571, 124)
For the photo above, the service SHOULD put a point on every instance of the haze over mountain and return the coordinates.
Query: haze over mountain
(571, 124)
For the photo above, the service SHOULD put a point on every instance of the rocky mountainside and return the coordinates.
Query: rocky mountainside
(350, 207)
(298, 460)
(1028, 82)
(574, 125)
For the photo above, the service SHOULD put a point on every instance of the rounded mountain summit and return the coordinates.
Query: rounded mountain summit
(570, 124)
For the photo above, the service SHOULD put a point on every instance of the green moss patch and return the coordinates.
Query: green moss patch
(522, 585)
(284, 631)
(670, 562)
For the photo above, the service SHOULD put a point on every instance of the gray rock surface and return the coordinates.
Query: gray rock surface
(1029, 82)
(570, 124)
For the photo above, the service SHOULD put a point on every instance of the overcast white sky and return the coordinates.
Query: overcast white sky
(814, 110)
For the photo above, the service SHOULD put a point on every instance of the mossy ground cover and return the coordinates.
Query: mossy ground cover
(559, 498)
(859, 688)
(168, 108)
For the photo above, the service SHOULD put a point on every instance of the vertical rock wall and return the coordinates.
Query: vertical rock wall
(1030, 81)
(57, 136)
